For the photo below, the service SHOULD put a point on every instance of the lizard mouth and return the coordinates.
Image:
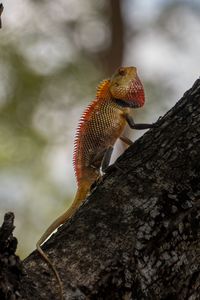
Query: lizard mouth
(130, 104)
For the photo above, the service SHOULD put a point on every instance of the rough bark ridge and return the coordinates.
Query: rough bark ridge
(10, 265)
(137, 236)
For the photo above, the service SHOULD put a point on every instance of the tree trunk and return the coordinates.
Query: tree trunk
(138, 234)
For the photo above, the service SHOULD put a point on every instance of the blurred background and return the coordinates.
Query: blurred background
(52, 56)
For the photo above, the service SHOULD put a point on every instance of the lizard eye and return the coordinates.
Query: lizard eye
(122, 71)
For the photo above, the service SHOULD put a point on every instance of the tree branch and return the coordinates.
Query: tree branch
(137, 236)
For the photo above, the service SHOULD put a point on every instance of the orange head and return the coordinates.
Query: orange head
(125, 85)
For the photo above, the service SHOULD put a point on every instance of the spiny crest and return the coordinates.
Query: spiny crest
(102, 88)
(101, 95)
(79, 132)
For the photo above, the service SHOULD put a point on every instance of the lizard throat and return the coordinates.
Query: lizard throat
(123, 103)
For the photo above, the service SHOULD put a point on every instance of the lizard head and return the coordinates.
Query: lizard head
(126, 87)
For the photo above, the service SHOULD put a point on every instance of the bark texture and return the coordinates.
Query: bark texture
(138, 234)
(10, 264)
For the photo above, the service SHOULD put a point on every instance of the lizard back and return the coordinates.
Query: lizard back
(99, 127)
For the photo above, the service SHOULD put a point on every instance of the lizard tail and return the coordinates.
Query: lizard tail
(79, 198)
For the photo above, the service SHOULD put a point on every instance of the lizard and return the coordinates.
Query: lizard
(101, 124)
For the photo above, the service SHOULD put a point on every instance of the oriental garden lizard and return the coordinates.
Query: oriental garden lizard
(101, 124)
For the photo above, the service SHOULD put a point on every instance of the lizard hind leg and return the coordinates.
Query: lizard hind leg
(126, 140)
(106, 159)
(103, 166)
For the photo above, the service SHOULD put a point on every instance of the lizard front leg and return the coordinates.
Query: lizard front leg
(133, 125)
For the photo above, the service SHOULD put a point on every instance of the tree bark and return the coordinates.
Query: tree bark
(10, 264)
(138, 234)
